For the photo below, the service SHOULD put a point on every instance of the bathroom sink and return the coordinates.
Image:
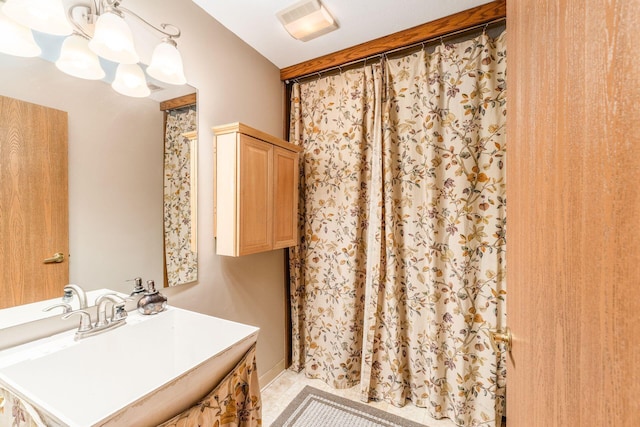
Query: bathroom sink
(140, 374)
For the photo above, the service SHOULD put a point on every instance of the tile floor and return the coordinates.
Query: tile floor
(277, 395)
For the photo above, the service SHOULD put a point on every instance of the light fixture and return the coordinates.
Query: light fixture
(16, 39)
(130, 81)
(113, 39)
(307, 20)
(46, 16)
(166, 63)
(98, 28)
(76, 59)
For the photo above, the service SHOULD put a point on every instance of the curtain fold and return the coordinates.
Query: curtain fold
(328, 268)
(234, 402)
(400, 274)
(15, 411)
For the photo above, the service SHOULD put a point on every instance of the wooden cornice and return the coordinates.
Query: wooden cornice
(440, 27)
(182, 101)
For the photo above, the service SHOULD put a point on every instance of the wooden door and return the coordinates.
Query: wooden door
(256, 196)
(34, 218)
(573, 252)
(285, 198)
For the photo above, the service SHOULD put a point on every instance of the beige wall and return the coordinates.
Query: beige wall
(234, 83)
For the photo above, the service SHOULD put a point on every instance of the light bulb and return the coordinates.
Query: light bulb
(76, 59)
(46, 16)
(16, 39)
(113, 39)
(130, 81)
(166, 64)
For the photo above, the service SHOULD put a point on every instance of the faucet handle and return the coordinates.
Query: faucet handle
(85, 320)
(119, 312)
(117, 309)
(66, 308)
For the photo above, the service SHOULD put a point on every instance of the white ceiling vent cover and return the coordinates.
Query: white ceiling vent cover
(307, 20)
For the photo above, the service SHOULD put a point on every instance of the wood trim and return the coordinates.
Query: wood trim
(164, 234)
(179, 102)
(215, 189)
(440, 27)
(255, 133)
(191, 135)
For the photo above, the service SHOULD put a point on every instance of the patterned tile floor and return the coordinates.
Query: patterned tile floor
(277, 395)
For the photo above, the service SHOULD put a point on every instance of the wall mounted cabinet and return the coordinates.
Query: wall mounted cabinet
(256, 200)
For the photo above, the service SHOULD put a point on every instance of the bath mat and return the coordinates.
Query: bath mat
(316, 408)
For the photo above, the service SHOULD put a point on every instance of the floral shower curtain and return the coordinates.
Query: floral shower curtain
(180, 258)
(400, 274)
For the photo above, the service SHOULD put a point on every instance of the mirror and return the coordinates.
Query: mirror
(115, 171)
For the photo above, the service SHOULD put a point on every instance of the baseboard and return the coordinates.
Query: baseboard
(271, 374)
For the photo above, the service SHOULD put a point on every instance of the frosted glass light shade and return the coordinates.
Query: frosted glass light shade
(307, 20)
(113, 40)
(76, 59)
(166, 64)
(16, 39)
(46, 16)
(130, 81)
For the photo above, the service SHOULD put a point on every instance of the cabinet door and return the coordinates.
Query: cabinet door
(256, 197)
(285, 196)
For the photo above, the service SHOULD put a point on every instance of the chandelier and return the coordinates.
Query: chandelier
(92, 31)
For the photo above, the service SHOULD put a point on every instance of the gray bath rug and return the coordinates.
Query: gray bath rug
(316, 408)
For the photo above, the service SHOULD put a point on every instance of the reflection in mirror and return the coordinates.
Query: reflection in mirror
(33, 202)
(115, 174)
(180, 155)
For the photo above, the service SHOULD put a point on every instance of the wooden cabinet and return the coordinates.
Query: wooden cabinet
(256, 191)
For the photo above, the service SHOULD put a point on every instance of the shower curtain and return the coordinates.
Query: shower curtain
(180, 259)
(400, 272)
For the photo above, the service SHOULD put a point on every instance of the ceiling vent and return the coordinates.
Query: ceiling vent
(153, 87)
(307, 20)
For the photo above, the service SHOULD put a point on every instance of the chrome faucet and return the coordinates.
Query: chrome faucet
(66, 308)
(103, 323)
(117, 310)
(71, 289)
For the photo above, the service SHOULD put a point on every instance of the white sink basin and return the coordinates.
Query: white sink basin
(139, 374)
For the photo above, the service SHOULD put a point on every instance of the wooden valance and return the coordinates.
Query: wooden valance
(179, 102)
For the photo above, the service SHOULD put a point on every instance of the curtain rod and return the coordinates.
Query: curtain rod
(399, 49)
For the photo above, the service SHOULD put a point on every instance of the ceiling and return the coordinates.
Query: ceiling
(255, 22)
